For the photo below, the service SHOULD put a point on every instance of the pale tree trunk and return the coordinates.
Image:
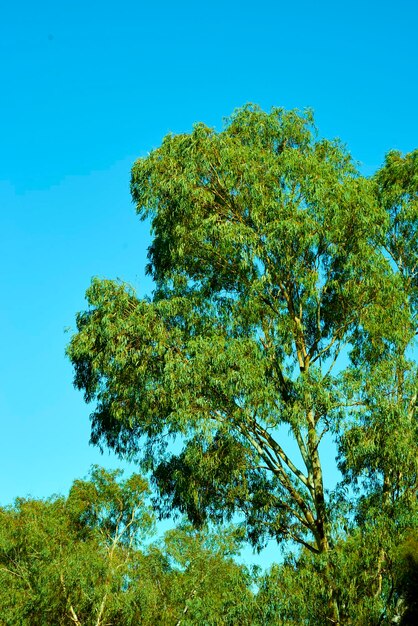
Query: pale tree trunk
(73, 614)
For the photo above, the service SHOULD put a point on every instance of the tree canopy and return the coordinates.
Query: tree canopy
(284, 314)
(88, 560)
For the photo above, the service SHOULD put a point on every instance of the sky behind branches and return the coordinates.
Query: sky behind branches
(89, 87)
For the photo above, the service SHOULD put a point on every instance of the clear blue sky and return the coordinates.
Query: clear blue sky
(87, 87)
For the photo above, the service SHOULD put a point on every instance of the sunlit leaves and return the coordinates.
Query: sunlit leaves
(285, 297)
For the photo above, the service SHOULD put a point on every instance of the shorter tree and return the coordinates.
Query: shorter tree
(87, 560)
(67, 560)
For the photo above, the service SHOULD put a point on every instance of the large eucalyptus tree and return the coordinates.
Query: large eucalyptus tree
(283, 282)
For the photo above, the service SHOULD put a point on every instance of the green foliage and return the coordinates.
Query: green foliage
(83, 560)
(208, 583)
(406, 579)
(63, 560)
(285, 301)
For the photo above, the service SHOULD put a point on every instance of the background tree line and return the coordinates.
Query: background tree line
(91, 559)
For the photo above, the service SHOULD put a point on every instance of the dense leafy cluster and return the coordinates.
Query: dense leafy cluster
(88, 560)
(284, 315)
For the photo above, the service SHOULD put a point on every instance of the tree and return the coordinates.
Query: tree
(86, 560)
(67, 561)
(206, 581)
(277, 307)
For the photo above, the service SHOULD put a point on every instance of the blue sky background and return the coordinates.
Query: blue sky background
(86, 88)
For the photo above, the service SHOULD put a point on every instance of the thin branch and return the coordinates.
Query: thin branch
(73, 614)
(319, 354)
(304, 543)
(279, 471)
(9, 571)
(281, 453)
(333, 362)
(303, 449)
(101, 610)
